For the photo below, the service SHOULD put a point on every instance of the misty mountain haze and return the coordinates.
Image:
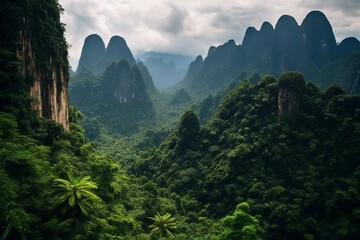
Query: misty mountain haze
(165, 68)
(228, 153)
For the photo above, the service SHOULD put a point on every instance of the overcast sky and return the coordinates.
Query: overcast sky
(191, 26)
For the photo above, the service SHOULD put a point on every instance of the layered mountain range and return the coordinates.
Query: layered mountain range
(165, 74)
(166, 68)
(310, 48)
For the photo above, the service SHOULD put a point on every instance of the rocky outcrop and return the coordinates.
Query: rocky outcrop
(119, 98)
(290, 89)
(119, 80)
(47, 75)
(287, 102)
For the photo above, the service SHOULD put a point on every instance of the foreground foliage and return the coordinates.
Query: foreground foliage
(76, 192)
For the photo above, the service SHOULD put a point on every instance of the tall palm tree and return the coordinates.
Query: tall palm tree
(163, 225)
(76, 192)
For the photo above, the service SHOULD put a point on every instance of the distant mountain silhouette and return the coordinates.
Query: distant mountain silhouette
(181, 61)
(310, 48)
(95, 58)
(164, 74)
(118, 49)
(165, 68)
(93, 52)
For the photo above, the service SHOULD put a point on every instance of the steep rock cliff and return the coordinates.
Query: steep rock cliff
(290, 88)
(38, 42)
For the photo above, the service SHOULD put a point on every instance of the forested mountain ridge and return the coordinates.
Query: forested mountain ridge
(118, 99)
(279, 159)
(283, 146)
(34, 59)
(111, 88)
(310, 48)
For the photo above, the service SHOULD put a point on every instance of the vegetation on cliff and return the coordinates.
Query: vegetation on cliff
(267, 159)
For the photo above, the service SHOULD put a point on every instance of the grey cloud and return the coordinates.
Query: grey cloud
(84, 21)
(191, 26)
(174, 22)
(347, 6)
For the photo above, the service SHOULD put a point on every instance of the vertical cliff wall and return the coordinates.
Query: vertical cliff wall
(290, 90)
(37, 40)
(47, 78)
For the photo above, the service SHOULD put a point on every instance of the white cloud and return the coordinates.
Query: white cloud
(191, 27)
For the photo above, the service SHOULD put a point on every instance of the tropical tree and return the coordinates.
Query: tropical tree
(76, 193)
(241, 225)
(188, 131)
(163, 225)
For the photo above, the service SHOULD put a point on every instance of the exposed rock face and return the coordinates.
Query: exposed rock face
(49, 80)
(119, 98)
(119, 79)
(290, 89)
(287, 102)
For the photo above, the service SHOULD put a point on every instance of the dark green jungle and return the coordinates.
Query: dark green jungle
(258, 141)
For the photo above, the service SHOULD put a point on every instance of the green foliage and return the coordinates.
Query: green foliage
(181, 97)
(292, 80)
(76, 192)
(300, 174)
(118, 100)
(188, 131)
(163, 225)
(241, 225)
(243, 151)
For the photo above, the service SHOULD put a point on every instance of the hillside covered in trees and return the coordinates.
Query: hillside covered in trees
(265, 157)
